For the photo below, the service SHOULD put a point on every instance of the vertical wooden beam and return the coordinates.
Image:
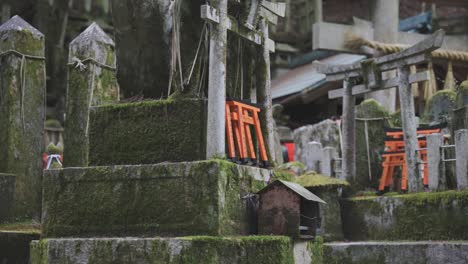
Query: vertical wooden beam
(461, 154)
(409, 129)
(216, 137)
(264, 93)
(349, 136)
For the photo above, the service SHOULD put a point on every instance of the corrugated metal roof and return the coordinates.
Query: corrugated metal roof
(303, 192)
(306, 76)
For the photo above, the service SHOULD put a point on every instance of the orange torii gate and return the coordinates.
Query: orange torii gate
(366, 76)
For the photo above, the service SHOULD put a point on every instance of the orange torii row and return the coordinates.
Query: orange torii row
(394, 156)
(240, 117)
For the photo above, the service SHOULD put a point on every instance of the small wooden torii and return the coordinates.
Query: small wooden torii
(370, 72)
(216, 13)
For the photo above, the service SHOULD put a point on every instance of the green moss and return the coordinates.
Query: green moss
(53, 149)
(439, 106)
(419, 216)
(462, 95)
(282, 174)
(52, 123)
(316, 250)
(317, 180)
(147, 132)
(186, 250)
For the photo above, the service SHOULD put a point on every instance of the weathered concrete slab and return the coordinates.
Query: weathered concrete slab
(14, 246)
(422, 252)
(167, 199)
(148, 132)
(419, 216)
(7, 194)
(239, 250)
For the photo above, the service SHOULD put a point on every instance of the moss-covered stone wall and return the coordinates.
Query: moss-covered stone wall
(14, 246)
(187, 250)
(424, 252)
(7, 193)
(148, 132)
(169, 199)
(420, 216)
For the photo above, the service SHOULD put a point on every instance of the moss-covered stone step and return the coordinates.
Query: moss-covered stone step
(14, 246)
(420, 216)
(421, 252)
(187, 250)
(167, 199)
(147, 132)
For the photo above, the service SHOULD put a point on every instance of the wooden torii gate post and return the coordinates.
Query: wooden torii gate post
(220, 22)
(369, 72)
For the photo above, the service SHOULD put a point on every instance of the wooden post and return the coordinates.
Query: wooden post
(436, 168)
(216, 137)
(461, 154)
(409, 129)
(91, 82)
(349, 136)
(264, 93)
(22, 112)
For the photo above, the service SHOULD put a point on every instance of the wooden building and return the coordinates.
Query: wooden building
(286, 208)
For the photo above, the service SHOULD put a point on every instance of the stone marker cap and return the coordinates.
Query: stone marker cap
(16, 26)
(93, 43)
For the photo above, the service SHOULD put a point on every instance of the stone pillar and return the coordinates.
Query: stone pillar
(264, 93)
(313, 155)
(349, 133)
(329, 155)
(318, 13)
(461, 153)
(385, 17)
(7, 194)
(216, 137)
(91, 82)
(22, 112)
(408, 120)
(437, 178)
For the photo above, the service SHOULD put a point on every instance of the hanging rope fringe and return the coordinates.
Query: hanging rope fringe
(22, 77)
(200, 42)
(449, 78)
(430, 86)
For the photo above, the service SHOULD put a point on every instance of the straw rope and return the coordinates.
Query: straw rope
(355, 43)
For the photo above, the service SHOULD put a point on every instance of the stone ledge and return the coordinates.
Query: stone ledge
(167, 199)
(420, 216)
(421, 252)
(206, 250)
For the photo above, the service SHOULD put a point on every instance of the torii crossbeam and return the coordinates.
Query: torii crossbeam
(369, 74)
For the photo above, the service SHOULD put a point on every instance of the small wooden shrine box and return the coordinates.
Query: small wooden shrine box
(287, 208)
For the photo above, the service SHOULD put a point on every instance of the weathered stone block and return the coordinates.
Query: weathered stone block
(420, 216)
(423, 252)
(459, 118)
(22, 111)
(14, 246)
(439, 106)
(186, 250)
(148, 132)
(7, 194)
(370, 116)
(168, 199)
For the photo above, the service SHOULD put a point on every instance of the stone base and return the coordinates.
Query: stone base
(7, 194)
(147, 132)
(421, 216)
(423, 252)
(203, 250)
(14, 246)
(167, 199)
